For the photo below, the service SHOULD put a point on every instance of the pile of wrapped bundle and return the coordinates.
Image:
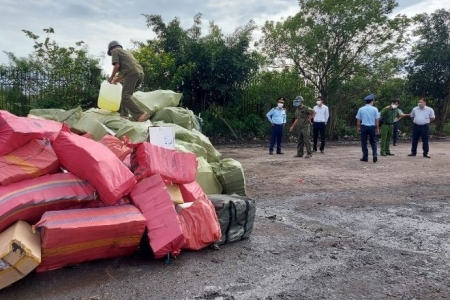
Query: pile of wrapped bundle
(67, 173)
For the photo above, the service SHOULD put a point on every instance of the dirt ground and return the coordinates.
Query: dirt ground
(346, 230)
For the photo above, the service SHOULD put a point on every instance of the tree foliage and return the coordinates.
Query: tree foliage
(206, 69)
(330, 42)
(56, 76)
(428, 64)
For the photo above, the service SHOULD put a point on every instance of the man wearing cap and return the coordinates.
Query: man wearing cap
(367, 122)
(388, 114)
(277, 118)
(320, 123)
(422, 116)
(303, 116)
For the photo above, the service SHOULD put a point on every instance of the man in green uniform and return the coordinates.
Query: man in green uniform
(303, 117)
(132, 75)
(388, 115)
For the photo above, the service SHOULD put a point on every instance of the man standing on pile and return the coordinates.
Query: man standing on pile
(320, 124)
(367, 122)
(303, 116)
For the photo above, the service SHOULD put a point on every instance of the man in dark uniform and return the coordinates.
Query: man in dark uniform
(303, 116)
(367, 122)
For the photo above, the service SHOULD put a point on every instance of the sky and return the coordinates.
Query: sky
(97, 22)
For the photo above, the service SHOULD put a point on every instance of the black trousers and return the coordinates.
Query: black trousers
(368, 131)
(319, 127)
(420, 131)
(276, 136)
(395, 133)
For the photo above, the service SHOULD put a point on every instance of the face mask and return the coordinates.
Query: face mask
(421, 105)
(280, 105)
(394, 106)
(296, 104)
(319, 102)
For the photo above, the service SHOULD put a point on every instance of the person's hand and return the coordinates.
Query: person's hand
(358, 129)
(272, 124)
(377, 131)
(291, 129)
(111, 80)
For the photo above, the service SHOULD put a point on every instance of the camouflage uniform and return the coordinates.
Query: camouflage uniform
(304, 127)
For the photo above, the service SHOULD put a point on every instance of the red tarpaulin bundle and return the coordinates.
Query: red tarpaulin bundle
(94, 162)
(148, 160)
(163, 225)
(200, 225)
(78, 235)
(29, 199)
(34, 159)
(116, 146)
(191, 191)
(17, 131)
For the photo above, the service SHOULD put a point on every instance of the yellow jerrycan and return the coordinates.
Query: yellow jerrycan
(109, 96)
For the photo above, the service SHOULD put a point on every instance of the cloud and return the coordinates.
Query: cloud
(97, 22)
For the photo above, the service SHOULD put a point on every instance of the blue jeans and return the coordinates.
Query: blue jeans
(368, 131)
(420, 131)
(276, 135)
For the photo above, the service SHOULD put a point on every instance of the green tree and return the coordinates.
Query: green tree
(207, 69)
(428, 64)
(56, 77)
(329, 42)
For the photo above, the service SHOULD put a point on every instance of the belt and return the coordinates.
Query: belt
(320, 122)
(388, 123)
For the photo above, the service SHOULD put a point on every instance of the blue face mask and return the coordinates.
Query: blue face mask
(296, 104)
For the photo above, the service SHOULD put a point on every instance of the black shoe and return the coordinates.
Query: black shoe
(280, 152)
(390, 154)
(411, 154)
(270, 153)
(298, 155)
(375, 159)
(314, 150)
(321, 151)
(364, 159)
(395, 144)
(426, 155)
(383, 154)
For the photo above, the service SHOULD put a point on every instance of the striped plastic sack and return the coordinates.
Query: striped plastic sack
(79, 235)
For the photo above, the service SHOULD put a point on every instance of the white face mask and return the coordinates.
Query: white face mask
(394, 106)
(280, 105)
(319, 102)
(421, 105)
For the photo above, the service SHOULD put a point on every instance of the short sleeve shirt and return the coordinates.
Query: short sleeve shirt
(368, 115)
(302, 115)
(128, 63)
(422, 116)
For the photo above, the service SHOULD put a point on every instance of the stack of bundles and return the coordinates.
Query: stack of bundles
(231, 176)
(28, 200)
(177, 115)
(163, 226)
(95, 163)
(151, 102)
(206, 178)
(18, 131)
(113, 231)
(236, 216)
(178, 167)
(34, 159)
(199, 223)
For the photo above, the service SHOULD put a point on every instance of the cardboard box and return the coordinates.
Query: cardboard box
(162, 137)
(20, 252)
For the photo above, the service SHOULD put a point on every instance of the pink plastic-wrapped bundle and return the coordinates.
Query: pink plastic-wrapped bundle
(78, 235)
(163, 226)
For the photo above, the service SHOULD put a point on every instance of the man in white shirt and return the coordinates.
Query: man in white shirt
(320, 124)
(422, 117)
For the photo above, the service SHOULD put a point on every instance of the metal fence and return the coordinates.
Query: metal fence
(22, 90)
